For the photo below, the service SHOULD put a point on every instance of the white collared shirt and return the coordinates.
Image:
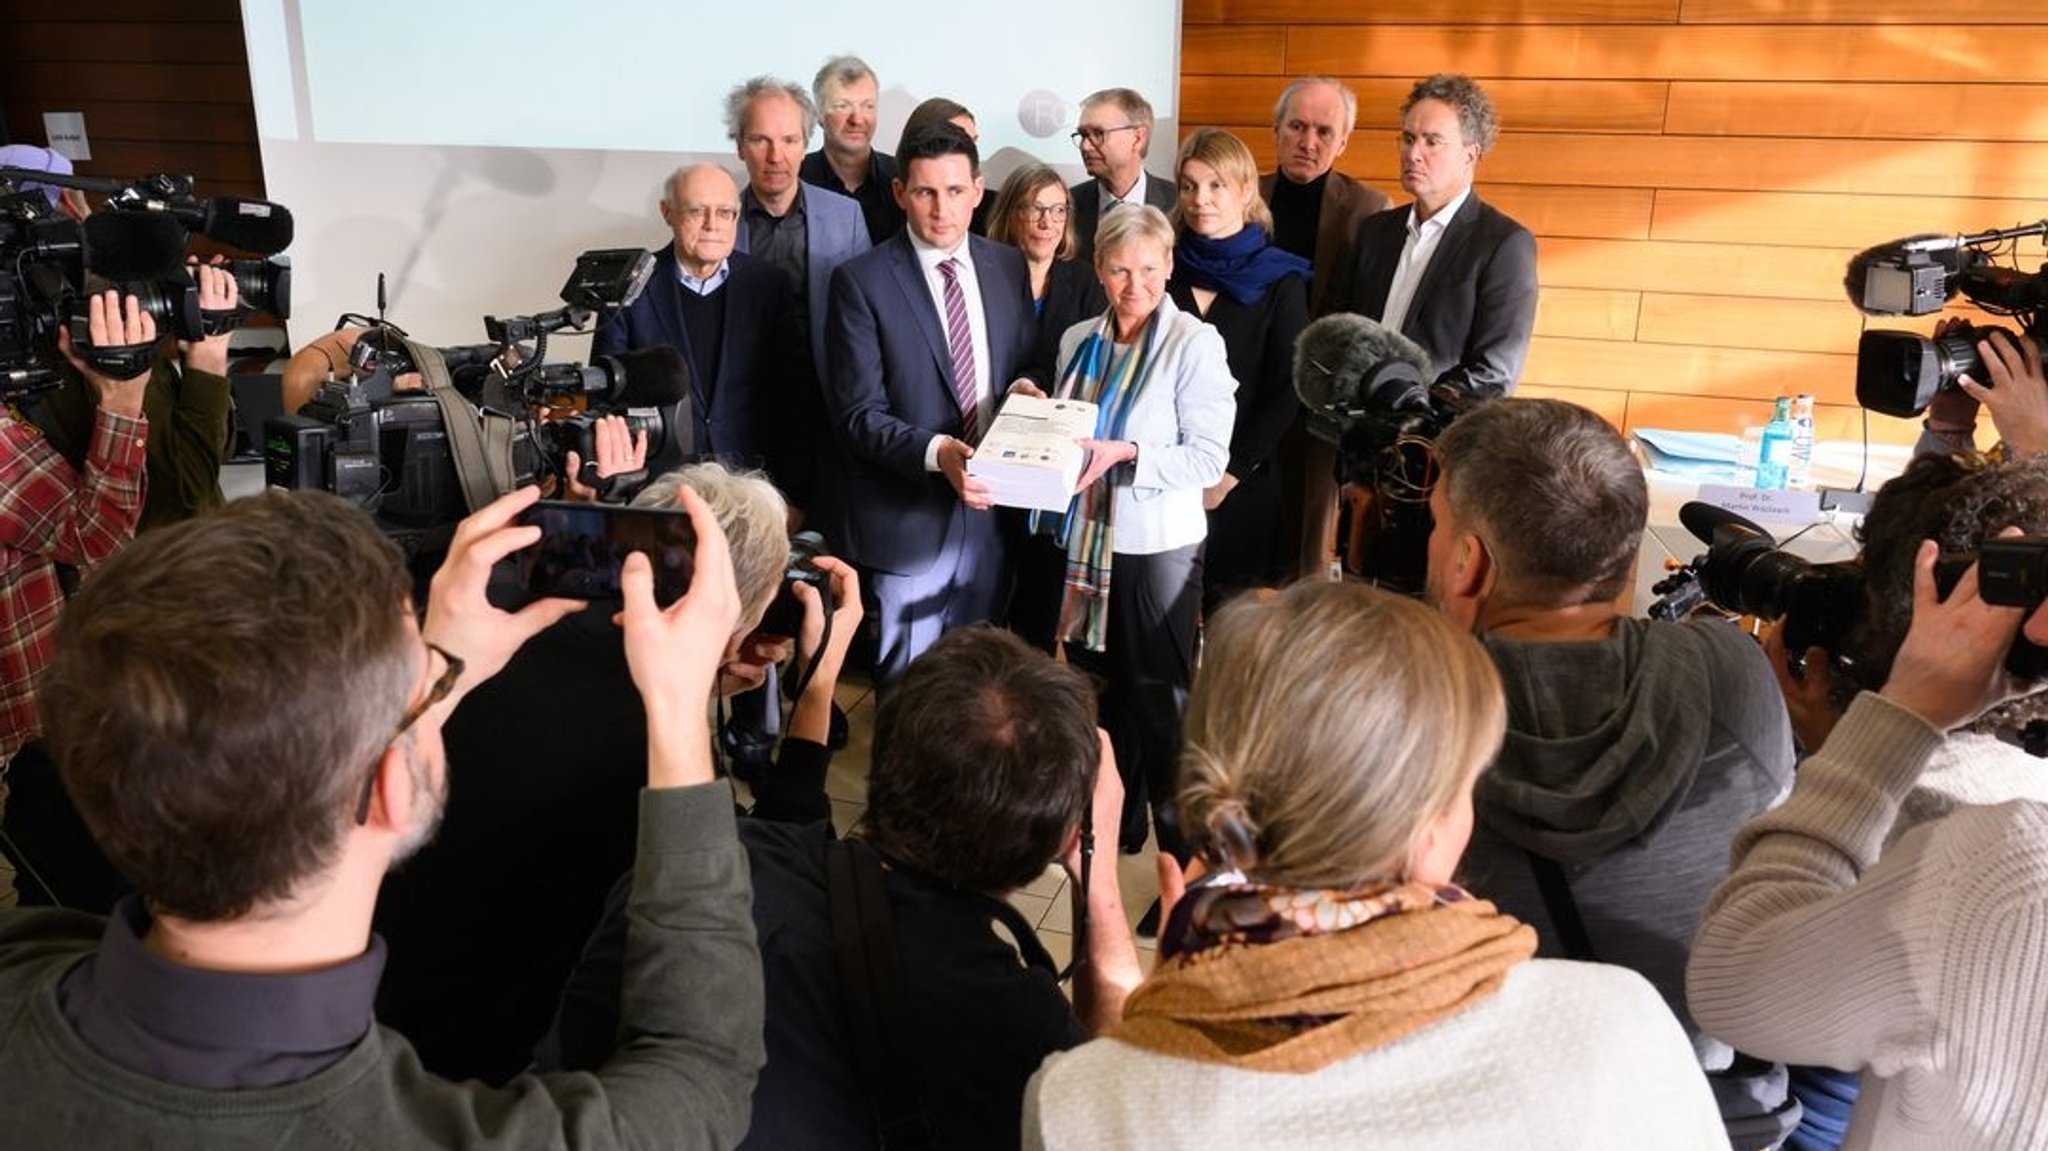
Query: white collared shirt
(928, 260)
(708, 284)
(1416, 251)
(1136, 199)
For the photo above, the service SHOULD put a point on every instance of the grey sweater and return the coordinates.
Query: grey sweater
(683, 1077)
(1631, 762)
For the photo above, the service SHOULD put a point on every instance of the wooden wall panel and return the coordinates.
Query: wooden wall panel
(1748, 322)
(1705, 269)
(1588, 313)
(1856, 12)
(163, 87)
(1729, 417)
(1804, 219)
(1731, 373)
(1451, 12)
(1225, 50)
(1539, 105)
(1933, 52)
(1867, 111)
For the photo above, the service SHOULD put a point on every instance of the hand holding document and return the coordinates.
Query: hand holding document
(1032, 456)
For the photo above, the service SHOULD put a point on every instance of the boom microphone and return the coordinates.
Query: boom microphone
(257, 226)
(1345, 363)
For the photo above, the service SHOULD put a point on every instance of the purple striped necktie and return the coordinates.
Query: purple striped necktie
(960, 341)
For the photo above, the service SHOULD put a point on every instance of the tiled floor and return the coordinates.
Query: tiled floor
(1046, 901)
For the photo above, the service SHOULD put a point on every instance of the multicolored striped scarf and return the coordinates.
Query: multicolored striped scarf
(1113, 385)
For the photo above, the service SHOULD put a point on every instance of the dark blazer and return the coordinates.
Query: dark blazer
(1346, 204)
(1161, 193)
(761, 409)
(834, 232)
(1072, 294)
(1476, 305)
(889, 390)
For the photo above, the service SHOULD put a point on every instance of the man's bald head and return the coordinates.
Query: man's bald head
(701, 205)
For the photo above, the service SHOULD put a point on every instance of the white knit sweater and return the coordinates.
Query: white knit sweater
(1567, 1056)
(1925, 961)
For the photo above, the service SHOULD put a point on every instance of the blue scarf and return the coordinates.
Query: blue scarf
(1241, 266)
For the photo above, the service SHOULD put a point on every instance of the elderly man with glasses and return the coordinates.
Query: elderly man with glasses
(1114, 134)
(248, 713)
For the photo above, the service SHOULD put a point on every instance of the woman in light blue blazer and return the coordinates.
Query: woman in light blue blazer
(1121, 571)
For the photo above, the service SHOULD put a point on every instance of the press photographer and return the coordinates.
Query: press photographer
(1891, 916)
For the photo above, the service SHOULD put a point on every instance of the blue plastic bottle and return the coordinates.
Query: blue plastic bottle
(1774, 453)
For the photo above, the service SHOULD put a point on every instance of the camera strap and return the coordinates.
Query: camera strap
(479, 439)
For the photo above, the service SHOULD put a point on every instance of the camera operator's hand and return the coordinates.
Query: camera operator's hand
(1951, 665)
(674, 654)
(113, 321)
(1106, 810)
(1809, 697)
(461, 618)
(811, 719)
(620, 451)
(2017, 393)
(747, 667)
(218, 292)
(953, 457)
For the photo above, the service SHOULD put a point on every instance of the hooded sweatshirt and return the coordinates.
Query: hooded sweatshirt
(1631, 762)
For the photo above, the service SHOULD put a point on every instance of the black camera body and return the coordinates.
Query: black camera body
(1899, 373)
(785, 616)
(390, 451)
(50, 265)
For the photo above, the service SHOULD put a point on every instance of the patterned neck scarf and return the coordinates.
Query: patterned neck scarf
(1275, 979)
(1113, 384)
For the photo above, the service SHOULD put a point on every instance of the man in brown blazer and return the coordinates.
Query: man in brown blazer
(1316, 213)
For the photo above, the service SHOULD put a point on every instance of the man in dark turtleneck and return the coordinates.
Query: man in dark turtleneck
(1316, 213)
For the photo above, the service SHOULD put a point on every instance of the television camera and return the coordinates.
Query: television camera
(51, 264)
(484, 419)
(1898, 373)
(1370, 391)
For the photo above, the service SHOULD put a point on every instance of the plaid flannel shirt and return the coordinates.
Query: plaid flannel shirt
(49, 514)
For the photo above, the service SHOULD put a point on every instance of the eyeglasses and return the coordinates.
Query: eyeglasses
(435, 694)
(1043, 211)
(700, 213)
(1096, 136)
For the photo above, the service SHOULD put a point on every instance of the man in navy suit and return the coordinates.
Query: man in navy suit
(804, 230)
(734, 320)
(1114, 133)
(1452, 273)
(753, 401)
(926, 334)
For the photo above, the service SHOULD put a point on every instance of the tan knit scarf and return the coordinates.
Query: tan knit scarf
(1300, 1003)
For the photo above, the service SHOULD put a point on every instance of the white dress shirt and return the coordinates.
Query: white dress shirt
(1416, 251)
(928, 260)
(1135, 199)
(708, 284)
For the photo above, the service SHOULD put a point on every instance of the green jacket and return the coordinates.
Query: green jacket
(191, 432)
(682, 1079)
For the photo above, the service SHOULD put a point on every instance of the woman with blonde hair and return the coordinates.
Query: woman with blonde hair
(1228, 271)
(1321, 981)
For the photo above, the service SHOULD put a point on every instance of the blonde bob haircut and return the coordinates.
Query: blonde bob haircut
(752, 514)
(1136, 224)
(1330, 724)
(1233, 160)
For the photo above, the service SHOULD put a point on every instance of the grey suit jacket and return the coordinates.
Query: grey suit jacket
(1159, 192)
(1346, 204)
(834, 232)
